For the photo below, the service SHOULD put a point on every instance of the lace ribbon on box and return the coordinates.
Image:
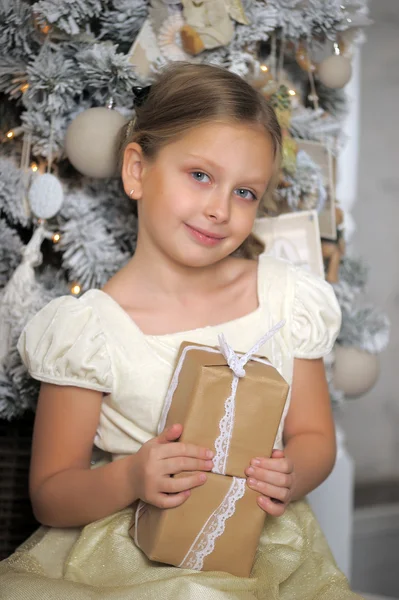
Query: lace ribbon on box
(236, 363)
(204, 543)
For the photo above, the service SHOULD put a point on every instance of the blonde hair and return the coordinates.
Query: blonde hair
(187, 95)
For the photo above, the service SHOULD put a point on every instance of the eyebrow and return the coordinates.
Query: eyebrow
(220, 168)
(206, 160)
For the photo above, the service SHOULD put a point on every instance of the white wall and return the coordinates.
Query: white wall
(371, 423)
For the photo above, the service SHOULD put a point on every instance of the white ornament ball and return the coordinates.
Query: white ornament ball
(355, 371)
(335, 71)
(91, 142)
(45, 196)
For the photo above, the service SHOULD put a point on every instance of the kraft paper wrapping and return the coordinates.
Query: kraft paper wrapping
(166, 535)
(205, 383)
(236, 412)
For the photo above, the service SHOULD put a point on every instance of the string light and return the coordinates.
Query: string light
(24, 87)
(13, 133)
(75, 289)
(34, 167)
(264, 68)
(292, 92)
(56, 238)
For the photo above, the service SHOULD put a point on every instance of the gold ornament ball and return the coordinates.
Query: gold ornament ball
(335, 71)
(355, 371)
(91, 142)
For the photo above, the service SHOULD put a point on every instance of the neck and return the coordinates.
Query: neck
(161, 274)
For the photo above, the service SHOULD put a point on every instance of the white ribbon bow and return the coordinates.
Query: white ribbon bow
(237, 363)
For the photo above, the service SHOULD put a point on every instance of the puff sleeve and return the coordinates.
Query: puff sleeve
(316, 316)
(64, 344)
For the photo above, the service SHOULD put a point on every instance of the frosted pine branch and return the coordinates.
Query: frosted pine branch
(55, 83)
(315, 125)
(306, 190)
(10, 251)
(18, 37)
(107, 73)
(39, 125)
(122, 20)
(68, 15)
(11, 193)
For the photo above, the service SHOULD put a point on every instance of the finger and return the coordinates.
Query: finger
(170, 434)
(173, 485)
(275, 509)
(172, 500)
(272, 491)
(186, 450)
(272, 477)
(171, 466)
(278, 454)
(283, 465)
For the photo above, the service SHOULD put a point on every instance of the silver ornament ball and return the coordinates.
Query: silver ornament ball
(91, 142)
(335, 71)
(45, 196)
(355, 371)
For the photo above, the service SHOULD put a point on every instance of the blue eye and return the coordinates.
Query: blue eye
(200, 176)
(246, 194)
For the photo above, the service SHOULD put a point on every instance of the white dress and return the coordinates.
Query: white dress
(91, 342)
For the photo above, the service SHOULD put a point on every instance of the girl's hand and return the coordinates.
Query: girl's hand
(273, 478)
(162, 457)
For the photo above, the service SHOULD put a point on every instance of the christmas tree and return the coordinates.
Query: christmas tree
(67, 70)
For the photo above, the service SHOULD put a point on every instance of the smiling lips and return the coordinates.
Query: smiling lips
(204, 237)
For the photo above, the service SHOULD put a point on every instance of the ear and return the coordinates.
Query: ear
(132, 170)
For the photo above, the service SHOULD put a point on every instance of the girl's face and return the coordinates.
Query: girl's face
(198, 199)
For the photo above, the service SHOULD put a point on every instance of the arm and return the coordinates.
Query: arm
(309, 432)
(309, 437)
(62, 485)
(66, 492)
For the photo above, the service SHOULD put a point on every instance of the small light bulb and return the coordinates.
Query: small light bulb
(75, 289)
(56, 238)
(10, 134)
(264, 68)
(24, 87)
(292, 92)
(34, 167)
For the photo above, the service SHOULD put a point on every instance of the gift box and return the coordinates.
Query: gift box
(231, 403)
(216, 529)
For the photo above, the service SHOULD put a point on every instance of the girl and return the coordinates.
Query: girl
(200, 157)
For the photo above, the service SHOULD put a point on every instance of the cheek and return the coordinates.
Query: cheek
(246, 215)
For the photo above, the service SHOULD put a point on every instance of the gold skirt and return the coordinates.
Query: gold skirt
(100, 561)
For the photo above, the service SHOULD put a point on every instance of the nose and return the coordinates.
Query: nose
(218, 208)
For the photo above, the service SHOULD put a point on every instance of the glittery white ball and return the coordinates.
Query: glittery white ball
(335, 71)
(91, 142)
(45, 196)
(355, 371)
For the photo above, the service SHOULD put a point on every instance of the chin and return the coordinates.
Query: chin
(200, 259)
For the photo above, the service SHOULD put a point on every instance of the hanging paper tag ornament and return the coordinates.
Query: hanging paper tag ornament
(208, 24)
(46, 196)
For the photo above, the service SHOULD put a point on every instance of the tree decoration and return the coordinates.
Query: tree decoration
(92, 139)
(336, 70)
(67, 71)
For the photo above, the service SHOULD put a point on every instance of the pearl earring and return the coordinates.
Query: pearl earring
(131, 193)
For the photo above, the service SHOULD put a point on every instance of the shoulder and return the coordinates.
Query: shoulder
(305, 301)
(65, 344)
